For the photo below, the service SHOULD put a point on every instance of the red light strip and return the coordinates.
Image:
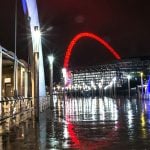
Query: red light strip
(90, 35)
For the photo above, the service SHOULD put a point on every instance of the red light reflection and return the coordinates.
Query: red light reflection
(83, 142)
(72, 134)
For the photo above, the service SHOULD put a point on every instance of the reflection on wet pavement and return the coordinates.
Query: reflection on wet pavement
(86, 124)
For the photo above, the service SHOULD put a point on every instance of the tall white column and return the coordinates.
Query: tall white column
(34, 21)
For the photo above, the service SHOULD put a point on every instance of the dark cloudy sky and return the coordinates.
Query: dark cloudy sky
(124, 24)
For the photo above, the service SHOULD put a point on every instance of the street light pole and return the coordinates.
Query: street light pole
(114, 83)
(36, 84)
(15, 61)
(51, 60)
(64, 73)
(142, 83)
(129, 77)
(37, 36)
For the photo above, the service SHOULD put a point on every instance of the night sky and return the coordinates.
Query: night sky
(124, 24)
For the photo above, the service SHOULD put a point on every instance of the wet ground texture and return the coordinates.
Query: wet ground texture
(82, 124)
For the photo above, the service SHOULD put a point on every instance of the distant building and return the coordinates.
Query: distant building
(118, 71)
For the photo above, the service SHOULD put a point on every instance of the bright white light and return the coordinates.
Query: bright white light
(100, 85)
(129, 77)
(64, 72)
(94, 87)
(106, 87)
(114, 79)
(102, 81)
(51, 59)
(141, 74)
(92, 84)
(89, 88)
(58, 87)
(111, 83)
(37, 34)
(36, 39)
(80, 87)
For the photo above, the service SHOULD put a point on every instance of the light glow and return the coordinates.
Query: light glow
(51, 59)
(64, 72)
(37, 34)
(129, 77)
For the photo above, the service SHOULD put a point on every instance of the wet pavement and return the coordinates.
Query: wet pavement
(83, 124)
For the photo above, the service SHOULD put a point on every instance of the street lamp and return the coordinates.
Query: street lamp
(64, 73)
(129, 77)
(37, 37)
(51, 60)
(100, 89)
(142, 82)
(114, 81)
(92, 87)
(15, 61)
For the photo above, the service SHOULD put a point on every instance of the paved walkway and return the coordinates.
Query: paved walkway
(84, 124)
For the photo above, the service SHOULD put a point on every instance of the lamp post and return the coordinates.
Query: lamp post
(129, 77)
(114, 82)
(92, 87)
(64, 73)
(141, 83)
(37, 36)
(51, 60)
(15, 58)
(100, 89)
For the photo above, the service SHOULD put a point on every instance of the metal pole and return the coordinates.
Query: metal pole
(129, 86)
(114, 88)
(15, 63)
(36, 85)
(51, 85)
(142, 83)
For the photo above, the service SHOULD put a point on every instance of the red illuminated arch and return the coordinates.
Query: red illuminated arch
(92, 36)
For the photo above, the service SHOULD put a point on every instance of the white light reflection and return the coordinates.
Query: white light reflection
(88, 109)
(66, 134)
(129, 115)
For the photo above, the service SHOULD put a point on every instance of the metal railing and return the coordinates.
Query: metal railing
(11, 106)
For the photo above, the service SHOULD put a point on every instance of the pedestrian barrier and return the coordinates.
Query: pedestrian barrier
(10, 106)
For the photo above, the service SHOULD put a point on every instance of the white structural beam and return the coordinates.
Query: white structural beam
(30, 8)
